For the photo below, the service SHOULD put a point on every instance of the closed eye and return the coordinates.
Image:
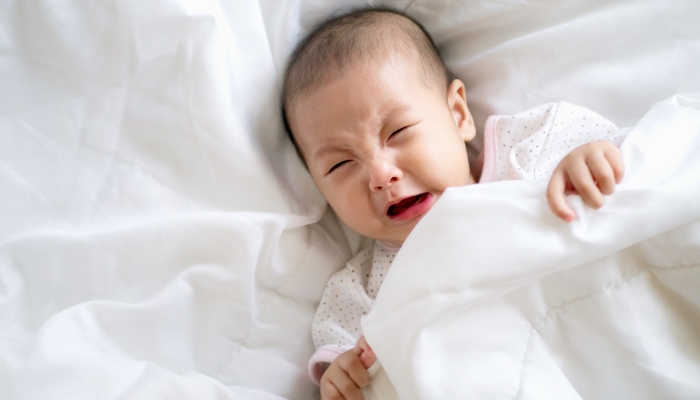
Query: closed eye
(396, 132)
(333, 168)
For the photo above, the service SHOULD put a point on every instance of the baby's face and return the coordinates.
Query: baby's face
(382, 146)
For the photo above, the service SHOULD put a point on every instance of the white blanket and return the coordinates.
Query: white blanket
(159, 237)
(492, 297)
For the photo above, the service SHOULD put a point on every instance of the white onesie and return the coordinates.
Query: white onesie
(528, 145)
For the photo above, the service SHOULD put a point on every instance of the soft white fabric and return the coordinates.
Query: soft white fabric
(156, 228)
(381, 387)
(492, 297)
(157, 235)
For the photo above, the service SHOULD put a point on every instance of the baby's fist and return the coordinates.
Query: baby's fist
(348, 373)
(591, 170)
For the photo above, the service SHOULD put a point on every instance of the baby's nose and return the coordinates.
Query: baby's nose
(383, 174)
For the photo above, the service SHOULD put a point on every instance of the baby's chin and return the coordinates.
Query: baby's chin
(396, 237)
(391, 243)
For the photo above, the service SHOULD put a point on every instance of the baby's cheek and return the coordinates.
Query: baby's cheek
(350, 210)
(451, 176)
(456, 169)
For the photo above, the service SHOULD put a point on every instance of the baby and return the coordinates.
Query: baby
(381, 125)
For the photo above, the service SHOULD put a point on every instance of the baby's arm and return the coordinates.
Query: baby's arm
(348, 373)
(591, 170)
(336, 327)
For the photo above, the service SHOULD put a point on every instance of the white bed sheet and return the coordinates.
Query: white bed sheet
(158, 236)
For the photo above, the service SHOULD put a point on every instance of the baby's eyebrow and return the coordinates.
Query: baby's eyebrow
(392, 113)
(326, 148)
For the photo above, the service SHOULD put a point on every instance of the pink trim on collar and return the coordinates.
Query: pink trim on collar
(488, 172)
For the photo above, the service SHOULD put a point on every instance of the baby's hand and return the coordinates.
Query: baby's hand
(591, 170)
(348, 373)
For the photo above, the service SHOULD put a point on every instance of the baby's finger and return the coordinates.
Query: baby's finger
(352, 367)
(330, 392)
(361, 345)
(582, 180)
(347, 387)
(367, 356)
(602, 172)
(617, 164)
(556, 197)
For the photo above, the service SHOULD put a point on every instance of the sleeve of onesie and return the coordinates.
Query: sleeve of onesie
(531, 144)
(336, 325)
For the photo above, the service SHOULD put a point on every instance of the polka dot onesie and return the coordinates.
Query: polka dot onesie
(349, 295)
(528, 145)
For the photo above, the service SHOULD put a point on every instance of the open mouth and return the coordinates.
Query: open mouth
(406, 204)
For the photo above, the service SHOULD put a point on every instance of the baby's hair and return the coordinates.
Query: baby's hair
(369, 33)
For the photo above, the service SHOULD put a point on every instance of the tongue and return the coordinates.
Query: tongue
(403, 205)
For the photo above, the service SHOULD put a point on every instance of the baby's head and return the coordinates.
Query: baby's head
(378, 121)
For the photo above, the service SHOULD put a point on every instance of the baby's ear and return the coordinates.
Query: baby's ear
(457, 101)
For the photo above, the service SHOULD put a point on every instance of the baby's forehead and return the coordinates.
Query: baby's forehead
(381, 89)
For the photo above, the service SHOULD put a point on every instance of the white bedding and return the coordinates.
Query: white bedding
(159, 237)
(492, 297)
